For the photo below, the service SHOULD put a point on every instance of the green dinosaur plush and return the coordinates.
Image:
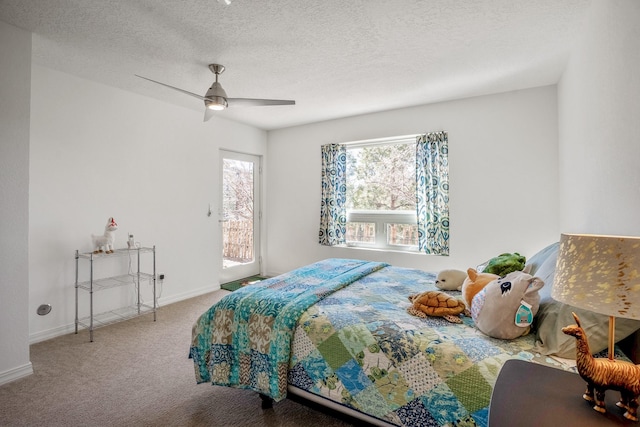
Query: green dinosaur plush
(504, 264)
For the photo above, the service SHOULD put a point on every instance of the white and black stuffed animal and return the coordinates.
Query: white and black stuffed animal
(450, 280)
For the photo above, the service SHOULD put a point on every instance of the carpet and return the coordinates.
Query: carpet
(137, 373)
(237, 284)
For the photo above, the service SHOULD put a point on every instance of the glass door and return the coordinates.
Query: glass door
(239, 216)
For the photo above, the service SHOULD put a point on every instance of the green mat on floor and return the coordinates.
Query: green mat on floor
(237, 284)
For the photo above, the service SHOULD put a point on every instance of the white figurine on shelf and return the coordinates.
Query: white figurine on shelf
(105, 241)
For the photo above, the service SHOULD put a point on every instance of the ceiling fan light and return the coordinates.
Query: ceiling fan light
(217, 103)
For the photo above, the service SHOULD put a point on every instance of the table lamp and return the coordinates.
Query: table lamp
(600, 274)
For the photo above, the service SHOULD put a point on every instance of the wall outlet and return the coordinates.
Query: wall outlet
(160, 276)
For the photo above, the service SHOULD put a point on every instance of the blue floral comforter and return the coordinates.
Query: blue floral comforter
(339, 329)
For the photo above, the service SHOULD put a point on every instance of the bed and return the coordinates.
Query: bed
(337, 332)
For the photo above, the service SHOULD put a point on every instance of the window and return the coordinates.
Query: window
(381, 194)
(381, 176)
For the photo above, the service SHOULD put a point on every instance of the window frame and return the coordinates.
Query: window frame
(381, 221)
(382, 218)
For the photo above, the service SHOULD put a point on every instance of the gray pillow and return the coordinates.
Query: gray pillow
(535, 262)
(553, 316)
(546, 269)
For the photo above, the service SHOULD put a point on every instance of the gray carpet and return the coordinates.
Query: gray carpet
(137, 373)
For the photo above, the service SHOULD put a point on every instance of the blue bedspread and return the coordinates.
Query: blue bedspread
(250, 345)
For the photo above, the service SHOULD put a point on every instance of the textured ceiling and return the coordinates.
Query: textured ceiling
(336, 58)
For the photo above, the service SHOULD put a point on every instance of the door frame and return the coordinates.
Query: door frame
(254, 268)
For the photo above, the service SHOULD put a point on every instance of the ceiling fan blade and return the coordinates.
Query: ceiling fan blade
(195, 95)
(250, 102)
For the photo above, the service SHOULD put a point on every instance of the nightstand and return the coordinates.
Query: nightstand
(527, 394)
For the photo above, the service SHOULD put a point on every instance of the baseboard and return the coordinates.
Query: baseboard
(70, 328)
(16, 373)
(274, 273)
(186, 295)
(51, 333)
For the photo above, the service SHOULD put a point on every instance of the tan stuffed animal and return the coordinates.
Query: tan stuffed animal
(438, 304)
(474, 284)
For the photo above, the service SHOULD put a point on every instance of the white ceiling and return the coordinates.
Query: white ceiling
(336, 58)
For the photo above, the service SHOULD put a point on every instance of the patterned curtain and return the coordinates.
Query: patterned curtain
(432, 192)
(333, 212)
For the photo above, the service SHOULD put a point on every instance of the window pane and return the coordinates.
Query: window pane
(237, 211)
(361, 232)
(381, 194)
(402, 234)
(382, 177)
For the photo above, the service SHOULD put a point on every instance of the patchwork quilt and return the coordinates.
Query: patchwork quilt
(339, 329)
(244, 340)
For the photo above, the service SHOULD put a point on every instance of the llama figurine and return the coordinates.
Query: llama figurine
(603, 374)
(105, 241)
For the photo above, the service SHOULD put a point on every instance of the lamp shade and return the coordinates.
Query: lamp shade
(599, 273)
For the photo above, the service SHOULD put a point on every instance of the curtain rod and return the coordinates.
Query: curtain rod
(382, 141)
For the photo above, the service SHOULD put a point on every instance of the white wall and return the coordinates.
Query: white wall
(154, 167)
(98, 152)
(503, 175)
(15, 75)
(599, 124)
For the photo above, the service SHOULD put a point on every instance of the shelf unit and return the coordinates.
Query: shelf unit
(98, 284)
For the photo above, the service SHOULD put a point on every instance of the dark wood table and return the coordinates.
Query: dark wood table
(531, 395)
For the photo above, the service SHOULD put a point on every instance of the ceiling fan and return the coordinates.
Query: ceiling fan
(216, 98)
